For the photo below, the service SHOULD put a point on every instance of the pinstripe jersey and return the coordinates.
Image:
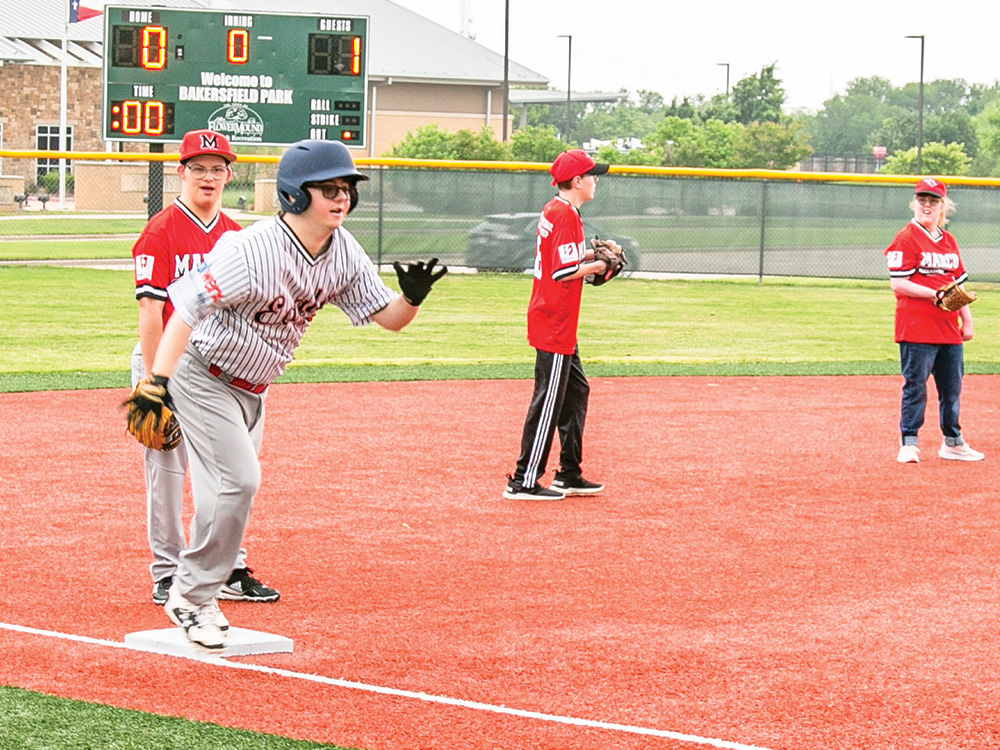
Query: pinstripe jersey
(253, 297)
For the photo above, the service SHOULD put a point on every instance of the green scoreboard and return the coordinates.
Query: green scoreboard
(257, 78)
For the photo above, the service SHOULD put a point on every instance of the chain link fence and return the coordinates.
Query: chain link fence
(485, 218)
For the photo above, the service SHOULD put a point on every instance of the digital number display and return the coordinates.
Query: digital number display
(134, 47)
(258, 78)
(332, 55)
(134, 117)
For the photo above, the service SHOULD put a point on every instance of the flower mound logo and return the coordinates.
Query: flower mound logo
(237, 123)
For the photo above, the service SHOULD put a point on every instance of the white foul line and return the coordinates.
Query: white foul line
(426, 697)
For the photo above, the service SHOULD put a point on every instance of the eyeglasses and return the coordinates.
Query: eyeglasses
(931, 199)
(333, 192)
(199, 172)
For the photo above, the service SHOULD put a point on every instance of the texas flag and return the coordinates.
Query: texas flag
(78, 13)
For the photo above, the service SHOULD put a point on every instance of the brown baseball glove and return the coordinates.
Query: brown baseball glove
(612, 254)
(149, 415)
(953, 297)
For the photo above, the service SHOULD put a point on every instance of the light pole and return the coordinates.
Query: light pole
(506, 66)
(569, 77)
(920, 105)
(727, 77)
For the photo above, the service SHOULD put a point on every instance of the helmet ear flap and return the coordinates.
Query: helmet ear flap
(293, 200)
(354, 195)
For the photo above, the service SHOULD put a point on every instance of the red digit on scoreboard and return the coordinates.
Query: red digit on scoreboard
(238, 46)
(153, 119)
(132, 117)
(154, 48)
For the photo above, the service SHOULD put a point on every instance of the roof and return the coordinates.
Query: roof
(398, 38)
(551, 96)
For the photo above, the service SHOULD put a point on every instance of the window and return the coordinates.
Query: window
(47, 139)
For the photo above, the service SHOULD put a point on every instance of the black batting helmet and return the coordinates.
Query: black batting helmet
(314, 161)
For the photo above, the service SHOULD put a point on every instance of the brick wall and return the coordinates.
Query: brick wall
(29, 96)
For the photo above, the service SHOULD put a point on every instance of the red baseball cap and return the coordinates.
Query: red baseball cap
(573, 163)
(202, 142)
(930, 186)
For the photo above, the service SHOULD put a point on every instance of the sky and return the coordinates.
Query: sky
(674, 48)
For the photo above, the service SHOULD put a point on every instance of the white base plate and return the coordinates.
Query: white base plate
(239, 642)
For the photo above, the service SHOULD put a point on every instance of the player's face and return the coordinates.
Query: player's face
(588, 186)
(202, 180)
(927, 211)
(329, 203)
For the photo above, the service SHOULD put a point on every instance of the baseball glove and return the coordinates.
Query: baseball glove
(953, 297)
(611, 253)
(149, 415)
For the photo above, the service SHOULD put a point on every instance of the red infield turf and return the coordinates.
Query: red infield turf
(760, 571)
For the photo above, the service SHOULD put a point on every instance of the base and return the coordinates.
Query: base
(239, 642)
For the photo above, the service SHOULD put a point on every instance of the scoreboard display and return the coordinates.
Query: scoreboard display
(257, 78)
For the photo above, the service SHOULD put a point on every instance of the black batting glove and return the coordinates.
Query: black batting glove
(416, 280)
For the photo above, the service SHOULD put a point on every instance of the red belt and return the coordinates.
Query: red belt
(216, 372)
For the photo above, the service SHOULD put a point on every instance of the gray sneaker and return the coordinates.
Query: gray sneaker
(200, 622)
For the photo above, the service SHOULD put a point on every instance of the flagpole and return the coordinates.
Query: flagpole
(63, 88)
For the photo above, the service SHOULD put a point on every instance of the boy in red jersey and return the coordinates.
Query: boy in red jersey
(173, 242)
(562, 261)
(922, 258)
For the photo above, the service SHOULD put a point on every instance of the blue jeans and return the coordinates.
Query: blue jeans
(917, 363)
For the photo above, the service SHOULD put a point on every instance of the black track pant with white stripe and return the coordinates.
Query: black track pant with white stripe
(560, 400)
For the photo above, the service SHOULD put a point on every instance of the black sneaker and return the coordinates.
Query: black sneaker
(515, 491)
(575, 486)
(161, 590)
(243, 587)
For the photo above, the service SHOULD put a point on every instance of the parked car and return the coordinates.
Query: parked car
(506, 242)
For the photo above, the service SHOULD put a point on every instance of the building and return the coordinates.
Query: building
(418, 73)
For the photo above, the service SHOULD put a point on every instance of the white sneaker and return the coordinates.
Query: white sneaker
(960, 453)
(908, 454)
(220, 619)
(200, 622)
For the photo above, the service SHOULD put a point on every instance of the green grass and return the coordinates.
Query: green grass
(69, 224)
(70, 328)
(32, 721)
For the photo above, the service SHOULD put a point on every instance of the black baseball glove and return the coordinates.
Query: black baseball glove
(416, 280)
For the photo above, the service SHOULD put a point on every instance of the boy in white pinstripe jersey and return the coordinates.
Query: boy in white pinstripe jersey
(173, 242)
(239, 316)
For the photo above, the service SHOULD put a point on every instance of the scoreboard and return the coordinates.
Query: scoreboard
(257, 78)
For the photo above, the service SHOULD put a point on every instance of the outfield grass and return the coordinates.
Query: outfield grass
(32, 721)
(68, 328)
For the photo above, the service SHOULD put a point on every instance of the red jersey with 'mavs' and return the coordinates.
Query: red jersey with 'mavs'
(932, 262)
(554, 309)
(172, 243)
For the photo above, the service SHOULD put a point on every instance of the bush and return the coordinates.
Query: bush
(49, 183)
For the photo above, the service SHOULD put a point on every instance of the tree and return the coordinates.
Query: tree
(685, 143)
(540, 144)
(430, 142)
(636, 157)
(481, 146)
(848, 123)
(770, 145)
(719, 107)
(935, 158)
(759, 98)
(987, 124)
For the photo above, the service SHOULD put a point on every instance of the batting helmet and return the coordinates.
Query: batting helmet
(314, 161)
